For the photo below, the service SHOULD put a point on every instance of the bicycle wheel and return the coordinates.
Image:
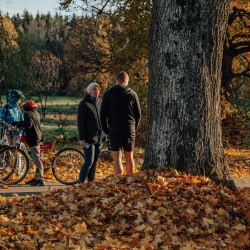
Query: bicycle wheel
(14, 165)
(67, 164)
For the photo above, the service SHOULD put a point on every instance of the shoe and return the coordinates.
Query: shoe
(30, 181)
(38, 183)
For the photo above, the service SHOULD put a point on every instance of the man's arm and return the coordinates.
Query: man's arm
(81, 121)
(26, 123)
(137, 111)
(104, 114)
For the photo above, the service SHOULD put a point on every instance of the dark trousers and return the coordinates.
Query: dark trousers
(88, 169)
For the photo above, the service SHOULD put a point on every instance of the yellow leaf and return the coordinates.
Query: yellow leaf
(32, 231)
(119, 207)
(149, 201)
(140, 228)
(239, 227)
(3, 218)
(81, 228)
(96, 222)
(190, 211)
(73, 207)
(174, 172)
(221, 212)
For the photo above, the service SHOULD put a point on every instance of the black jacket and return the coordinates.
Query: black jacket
(31, 125)
(88, 119)
(120, 110)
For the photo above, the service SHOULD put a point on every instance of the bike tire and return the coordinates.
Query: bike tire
(13, 174)
(67, 164)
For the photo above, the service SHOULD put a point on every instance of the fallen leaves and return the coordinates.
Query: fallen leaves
(155, 209)
(239, 162)
(4, 186)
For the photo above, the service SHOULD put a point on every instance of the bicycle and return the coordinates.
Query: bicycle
(65, 164)
(3, 135)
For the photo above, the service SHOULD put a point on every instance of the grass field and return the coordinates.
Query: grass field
(61, 118)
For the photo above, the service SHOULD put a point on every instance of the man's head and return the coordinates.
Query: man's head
(93, 90)
(16, 95)
(122, 78)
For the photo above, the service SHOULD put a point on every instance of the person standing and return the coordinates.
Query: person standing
(31, 125)
(120, 117)
(11, 112)
(91, 136)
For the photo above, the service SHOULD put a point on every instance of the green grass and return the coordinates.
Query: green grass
(61, 109)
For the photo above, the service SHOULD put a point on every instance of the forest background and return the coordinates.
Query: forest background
(47, 56)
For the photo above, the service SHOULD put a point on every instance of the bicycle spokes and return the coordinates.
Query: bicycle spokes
(67, 164)
(13, 165)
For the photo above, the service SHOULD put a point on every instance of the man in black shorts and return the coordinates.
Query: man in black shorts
(120, 117)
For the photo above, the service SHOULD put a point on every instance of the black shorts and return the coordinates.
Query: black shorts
(122, 142)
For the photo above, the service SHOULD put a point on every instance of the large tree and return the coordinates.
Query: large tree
(184, 125)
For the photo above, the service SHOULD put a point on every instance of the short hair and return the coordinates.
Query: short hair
(122, 77)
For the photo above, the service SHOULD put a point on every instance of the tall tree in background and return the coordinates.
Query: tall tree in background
(89, 49)
(236, 54)
(127, 33)
(8, 49)
(184, 125)
(43, 72)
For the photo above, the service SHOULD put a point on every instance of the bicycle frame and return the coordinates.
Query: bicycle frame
(50, 154)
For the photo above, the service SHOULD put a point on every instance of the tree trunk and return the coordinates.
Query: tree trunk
(184, 125)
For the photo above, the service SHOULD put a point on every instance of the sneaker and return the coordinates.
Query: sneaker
(38, 183)
(30, 181)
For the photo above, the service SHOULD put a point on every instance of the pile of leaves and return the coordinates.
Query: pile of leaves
(157, 209)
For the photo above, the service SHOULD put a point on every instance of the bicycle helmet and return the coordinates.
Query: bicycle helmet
(16, 93)
(30, 104)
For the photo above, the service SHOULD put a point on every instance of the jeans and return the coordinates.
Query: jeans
(35, 154)
(91, 154)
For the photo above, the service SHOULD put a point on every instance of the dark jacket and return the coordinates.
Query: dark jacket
(88, 119)
(120, 110)
(31, 125)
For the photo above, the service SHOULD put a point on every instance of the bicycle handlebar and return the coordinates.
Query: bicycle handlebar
(56, 136)
(8, 126)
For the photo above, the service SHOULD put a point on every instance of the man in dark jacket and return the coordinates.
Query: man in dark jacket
(31, 125)
(91, 136)
(120, 117)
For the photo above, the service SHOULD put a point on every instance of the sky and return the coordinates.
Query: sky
(32, 6)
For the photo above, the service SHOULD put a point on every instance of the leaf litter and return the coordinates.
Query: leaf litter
(154, 209)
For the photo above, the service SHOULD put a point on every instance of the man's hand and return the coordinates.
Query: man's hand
(11, 127)
(81, 142)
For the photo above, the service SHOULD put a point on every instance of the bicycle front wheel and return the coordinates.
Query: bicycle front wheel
(14, 165)
(67, 164)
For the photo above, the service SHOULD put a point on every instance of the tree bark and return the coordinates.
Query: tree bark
(184, 125)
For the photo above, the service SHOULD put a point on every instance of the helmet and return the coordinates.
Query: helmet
(30, 104)
(16, 93)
